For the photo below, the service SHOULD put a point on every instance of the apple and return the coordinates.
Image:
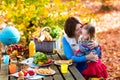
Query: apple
(25, 72)
(31, 72)
(49, 61)
(20, 74)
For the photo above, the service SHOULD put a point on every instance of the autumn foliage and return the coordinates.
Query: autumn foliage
(29, 16)
(111, 52)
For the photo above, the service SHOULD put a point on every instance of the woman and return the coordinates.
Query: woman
(70, 43)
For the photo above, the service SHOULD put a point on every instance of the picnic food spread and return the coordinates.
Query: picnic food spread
(23, 73)
(45, 71)
(14, 49)
(37, 66)
(41, 59)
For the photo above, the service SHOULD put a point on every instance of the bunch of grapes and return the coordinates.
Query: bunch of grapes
(15, 49)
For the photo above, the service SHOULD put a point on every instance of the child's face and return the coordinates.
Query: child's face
(85, 34)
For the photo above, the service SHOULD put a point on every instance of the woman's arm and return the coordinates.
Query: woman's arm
(69, 53)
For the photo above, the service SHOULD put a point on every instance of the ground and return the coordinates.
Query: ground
(107, 16)
(110, 43)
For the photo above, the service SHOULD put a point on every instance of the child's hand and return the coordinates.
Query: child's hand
(93, 44)
(95, 59)
(91, 56)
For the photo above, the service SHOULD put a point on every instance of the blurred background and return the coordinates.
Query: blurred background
(29, 16)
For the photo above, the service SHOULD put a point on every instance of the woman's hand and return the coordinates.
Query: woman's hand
(93, 44)
(91, 56)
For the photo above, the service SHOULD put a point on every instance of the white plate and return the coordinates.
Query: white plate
(27, 61)
(30, 62)
(28, 76)
(47, 74)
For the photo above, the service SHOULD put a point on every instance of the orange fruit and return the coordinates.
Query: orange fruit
(21, 74)
(40, 63)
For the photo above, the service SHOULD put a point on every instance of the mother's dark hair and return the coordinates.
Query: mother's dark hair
(70, 26)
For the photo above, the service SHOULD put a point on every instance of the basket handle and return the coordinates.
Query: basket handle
(45, 28)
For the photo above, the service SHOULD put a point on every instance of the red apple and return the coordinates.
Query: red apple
(31, 72)
(49, 61)
(25, 72)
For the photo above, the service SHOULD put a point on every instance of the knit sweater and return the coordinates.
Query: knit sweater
(85, 49)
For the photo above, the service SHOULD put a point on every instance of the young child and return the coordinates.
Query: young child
(87, 37)
(96, 68)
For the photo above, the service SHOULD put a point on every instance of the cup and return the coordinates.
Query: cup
(12, 68)
(64, 68)
(6, 59)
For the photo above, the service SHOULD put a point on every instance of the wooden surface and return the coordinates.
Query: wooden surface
(73, 73)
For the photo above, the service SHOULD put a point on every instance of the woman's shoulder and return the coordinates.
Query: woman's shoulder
(69, 40)
(63, 39)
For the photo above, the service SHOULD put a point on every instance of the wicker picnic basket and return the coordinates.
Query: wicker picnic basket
(45, 46)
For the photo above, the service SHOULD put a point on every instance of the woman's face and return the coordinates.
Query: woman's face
(78, 30)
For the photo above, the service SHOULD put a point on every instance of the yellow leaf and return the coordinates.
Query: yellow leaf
(21, 26)
(32, 7)
(57, 2)
(45, 12)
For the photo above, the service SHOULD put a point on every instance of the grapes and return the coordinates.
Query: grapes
(15, 47)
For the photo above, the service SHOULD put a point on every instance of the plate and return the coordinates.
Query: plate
(45, 71)
(34, 77)
(27, 74)
(59, 62)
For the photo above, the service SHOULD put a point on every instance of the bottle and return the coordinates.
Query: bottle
(32, 48)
